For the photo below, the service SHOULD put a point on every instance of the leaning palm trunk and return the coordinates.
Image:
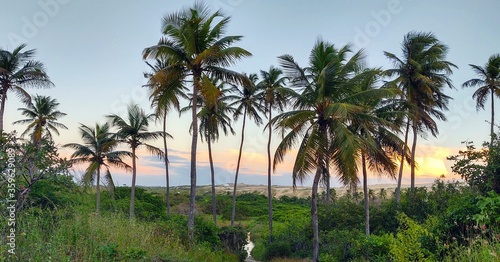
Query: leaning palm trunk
(212, 177)
(314, 213)
(365, 193)
(194, 141)
(400, 175)
(269, 193)
(132, 190)
(413, 152)
(327, 195)
(98, 191)
(233, 210)
(492, 130)
(3, 98)
(167, 177)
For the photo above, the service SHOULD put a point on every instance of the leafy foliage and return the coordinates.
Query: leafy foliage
(479, 167)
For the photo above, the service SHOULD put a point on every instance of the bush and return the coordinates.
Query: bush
(233, 239)
(54, 192)
(410, 240)
(342, 244)
(277, 249)
(148, 206)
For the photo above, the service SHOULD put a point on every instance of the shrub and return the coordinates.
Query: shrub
(148, 206)
(408, 244)
(277, 249)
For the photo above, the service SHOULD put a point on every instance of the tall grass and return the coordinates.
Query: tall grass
(79, 235)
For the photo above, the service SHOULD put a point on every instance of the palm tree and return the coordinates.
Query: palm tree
(195, 45)
(133, 131)
(274, 97)
(42, 116)
(165, 92)
(376, 131)
(319, 122)
(421, 74)
(19, 71)
(487, 83)
(248, 104)
(214, 105)
(99, 152)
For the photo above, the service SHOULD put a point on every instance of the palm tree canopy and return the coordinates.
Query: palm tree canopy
(194, 41)
(98, 150)
(42, 116)
(247, 99)
(133, 129)
(488, 80)
(216, 107)
(319, 124)
(165, 86)
(274, 91)
(18, 70)
(421, 74)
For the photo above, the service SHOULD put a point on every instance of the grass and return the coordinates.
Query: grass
(65, 235)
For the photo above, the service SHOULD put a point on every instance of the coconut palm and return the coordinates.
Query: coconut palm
(98, 151)
(42, 116)
(194, 43)
(247, 104)
(214, 104)
(18, 70)
(214, 116)
(165, 92)
(133, 131)
(274, 95)
(421, 74)
(319, 122)
(487, 83)
(377, 132)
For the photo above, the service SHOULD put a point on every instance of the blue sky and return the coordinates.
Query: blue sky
(92, 52)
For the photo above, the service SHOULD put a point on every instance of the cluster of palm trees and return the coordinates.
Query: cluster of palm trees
(342, 117)
(99, 150)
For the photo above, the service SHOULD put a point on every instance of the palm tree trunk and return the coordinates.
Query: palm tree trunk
(194, 142)
(233, 210)
(98, 191)
(314, 213)
(413, 151)
(167, 177)
(403, 154)
(212, 177)
(327, 195)
(269, 193)
(3, 98)
(365, 192)
(492, 131)
(132, 190)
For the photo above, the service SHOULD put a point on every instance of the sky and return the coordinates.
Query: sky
(92, 51)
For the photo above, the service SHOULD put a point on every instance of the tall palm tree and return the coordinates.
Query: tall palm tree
(248, 104)
(274, 97)
(421, 74)
(214, 116)
(133, 131)
(319, 121)
(194, 44)
(42, 116)
(214, 104)
(487, 83)
(99, 152)
(18, 70)
(377, 132)
(165, 92)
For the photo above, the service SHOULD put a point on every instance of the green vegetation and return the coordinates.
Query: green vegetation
(58, 222)
(341, 117)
